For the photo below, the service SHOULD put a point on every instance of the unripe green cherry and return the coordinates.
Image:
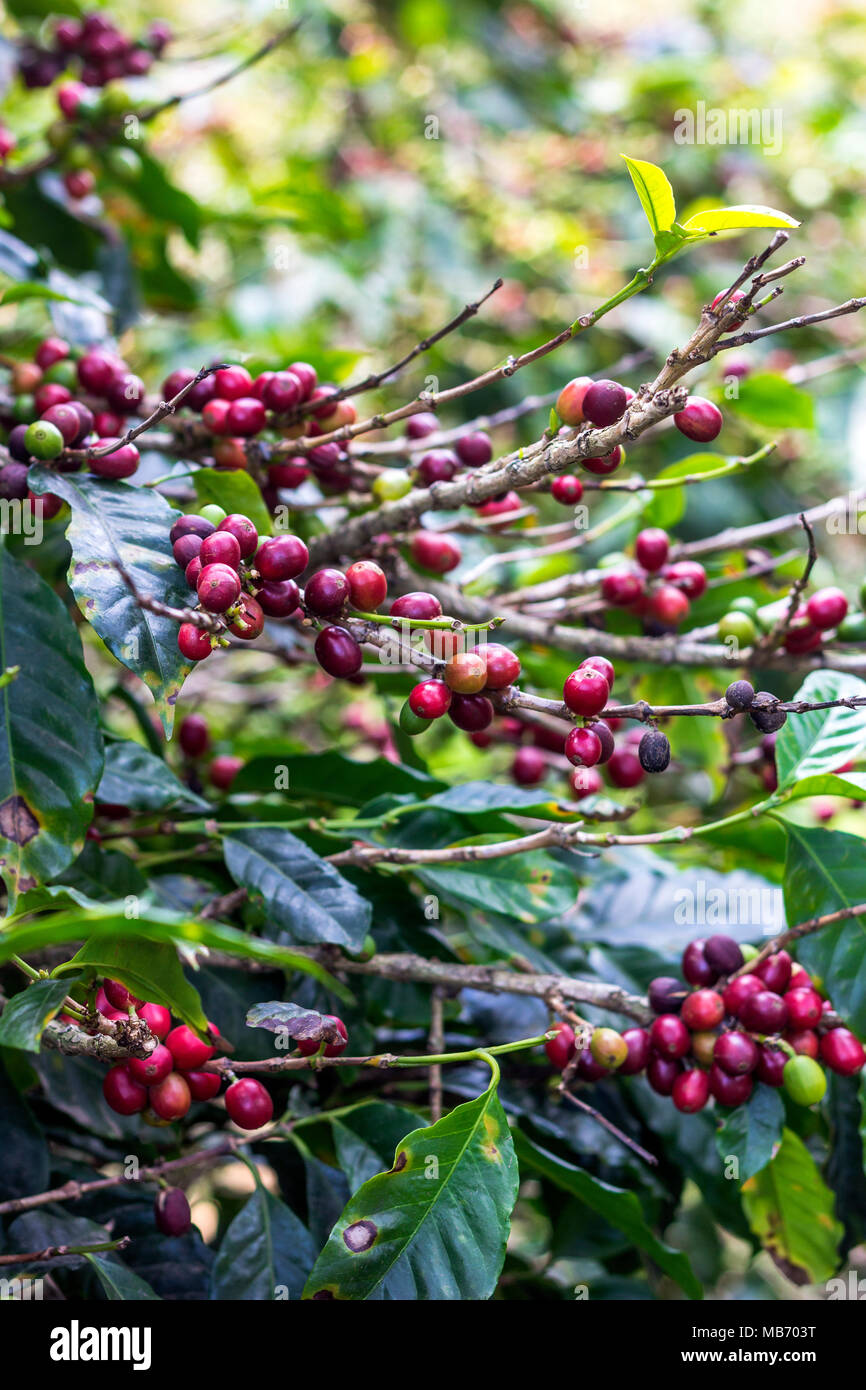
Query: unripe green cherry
(367, 951)
(609, 1048)
(852, 628)
(804, 1080)
(738, 625)
(412, 723)
(214, 513)
(44, 440)
(749, 951)
(391, 484)
(744, 605)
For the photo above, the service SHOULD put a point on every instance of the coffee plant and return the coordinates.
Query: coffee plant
(434, 739)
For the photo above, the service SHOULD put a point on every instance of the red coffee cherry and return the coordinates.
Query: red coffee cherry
(246, 416)
(586, 692)
(764, 1013)
(624, 769)
(218, 588)
(827, 608)
(338, 653)
(560, 1049)
(502, 666)
(691, 1091)
(171, 1097)
(569, 403)
(800, 978)
(97, 370)
(688, 575)
(803, 1040)
(187, 1048)
(739, 990)
(157, 1018)
(215, 414)
(474, 449)
(125, 392)
(65, 418)
(171, 1212)
(775, 971)
(203, 1085)
(232, 383)
(842, 1052)
(604, 402)
(566, 489)
(668, 605)
(729, 1090)
(121, 463)
(123, 1094)
(250, 622)
(736, 1053)
(583, 747)
(699, 419)
(669, 1035)
(194, 735)
(702, 1010)
(283, 557)
(466, 673)
(119, 996)
(223, 771)
(621, 588)
(529, 767)
(367, 585)
(605, 463)
(651, 548)
(49, 351)
(588, 1069)
(584, 781)
(194, 642)
(420, 425)
(281, 392)
(244, 533)
(308, 1046)
(248, 1104)
(601, 664)
(804, 1008)
(420, 605)
(430, 699)
(149, 1071)
(326, 593)
(662, 1073)
(279, 597)
(472, 713)
(435, 550)
(221, 548)
(289, 473)
(439, 466)
(637, 1040)
(732, 299)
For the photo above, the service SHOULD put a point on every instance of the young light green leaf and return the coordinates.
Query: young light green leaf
(655, 193)
(150, 969)
(737, 219)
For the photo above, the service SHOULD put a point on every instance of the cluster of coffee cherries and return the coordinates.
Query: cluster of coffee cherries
(237, 576)
(586, 692)
(162, 1086)
(63, 400)
(95, 47)
(730, 1029)
(583, 401)
(813, 622)
(653, 589)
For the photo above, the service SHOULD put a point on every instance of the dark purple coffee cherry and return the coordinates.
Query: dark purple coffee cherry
(279, 597)
(662, 1072)
(13, 482)
(736, 1053)
(729, 1090)
(765, 1012)
(190, 525)
(654, 751)
(338, 653)
(666, 994)
(185, 549)
(604, 402)
(17, 448)
(739, 695)
(723, 954)
(637, 1040)
(696, 967)
(326, 593)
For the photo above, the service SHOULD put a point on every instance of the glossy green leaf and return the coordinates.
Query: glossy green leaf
(529, 887)
(751, 1133)
(366, 1136)
(823, 740)
(110, 922)
(328, 777)
(119, 1283)
(305, 897)
(621, 1209)
(770, 400)
(136, 778)
(25, 1015)
(790, 1209)
(50, 745)
(151, 970)
(265, 1254)
(655, 193)
(114, 523)
(667, 506)
(434, 1227)
(737, 219)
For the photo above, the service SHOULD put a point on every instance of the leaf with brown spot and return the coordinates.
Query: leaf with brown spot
(50, 746)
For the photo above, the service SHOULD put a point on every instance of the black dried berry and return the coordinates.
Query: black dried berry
(654, 751)
(765, 713)
(739, 695)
